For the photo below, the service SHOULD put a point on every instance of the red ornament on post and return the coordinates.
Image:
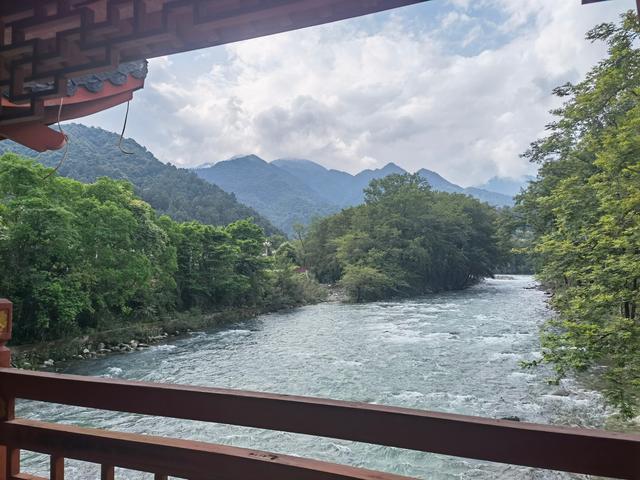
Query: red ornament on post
(6, 312)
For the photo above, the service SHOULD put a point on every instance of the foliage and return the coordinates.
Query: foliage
(405, 240)
(514, 241)
(584, 209)
(79, 257)
(179, 193)
(364, 284)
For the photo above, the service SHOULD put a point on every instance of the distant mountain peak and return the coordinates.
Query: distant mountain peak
(242, 155)
(249, 157)
(294, 190)
(391, 165)
(507, 185)
(252, 157)
(387, 169)
(298, 164)
(426, 171)
(297, 160)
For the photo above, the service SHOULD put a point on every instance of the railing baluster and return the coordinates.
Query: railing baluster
(57, 468)
(108, 472)
(160, 476)
(12, 466)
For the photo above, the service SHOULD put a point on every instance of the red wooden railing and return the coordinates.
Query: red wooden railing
(559, 448)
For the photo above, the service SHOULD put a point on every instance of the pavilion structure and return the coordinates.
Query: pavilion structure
(63, 59)
(53, 51)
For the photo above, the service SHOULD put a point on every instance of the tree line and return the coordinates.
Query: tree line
(584, 213)
(77, 257)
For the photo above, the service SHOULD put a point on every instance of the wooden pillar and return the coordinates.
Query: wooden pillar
(57, 468)
(9, 458)
(107, 472)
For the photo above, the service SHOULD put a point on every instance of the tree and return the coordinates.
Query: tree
(89, 256)
(405, 240)
(364, 284)
(584, 209)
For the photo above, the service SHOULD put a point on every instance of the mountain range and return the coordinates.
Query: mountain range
(290, 190)
(177, 192)
(277, 194)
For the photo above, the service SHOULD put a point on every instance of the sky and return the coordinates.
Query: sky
(456, 86)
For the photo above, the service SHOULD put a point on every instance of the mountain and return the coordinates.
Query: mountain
(438, 182)
(492, 198)
(362, 179)
(346, 190)
(330, 184)
(337, 187)
(274, 192)
(507, 186)
(294, 190)
(177, 192)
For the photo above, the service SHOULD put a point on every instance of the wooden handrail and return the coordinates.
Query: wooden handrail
(167, 456)
(576, 450)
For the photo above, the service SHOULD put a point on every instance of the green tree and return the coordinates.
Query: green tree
(405, 240)
(584, 209)
(364, 284)
(83, 257)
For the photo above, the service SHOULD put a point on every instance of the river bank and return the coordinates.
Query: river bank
(125, 339)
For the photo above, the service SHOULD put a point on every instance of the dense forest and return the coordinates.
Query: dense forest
(79, 257)
(177, 192)
(584, 212)
(404, 240)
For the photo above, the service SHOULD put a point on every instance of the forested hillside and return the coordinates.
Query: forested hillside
(94, 153)
(584, 210)
(276, 194)
(82, 257)
(405, 240)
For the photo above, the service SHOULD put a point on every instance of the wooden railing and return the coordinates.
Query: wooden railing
(568, 449)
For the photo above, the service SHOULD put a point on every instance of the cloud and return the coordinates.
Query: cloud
(358, 94)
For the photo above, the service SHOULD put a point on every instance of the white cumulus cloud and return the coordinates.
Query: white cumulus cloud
(358, 94)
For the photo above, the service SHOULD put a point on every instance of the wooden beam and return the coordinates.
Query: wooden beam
(180, 458)
(558, 448)
(56, 471)
(70, 42)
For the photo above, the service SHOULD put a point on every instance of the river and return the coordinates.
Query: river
(454, 352)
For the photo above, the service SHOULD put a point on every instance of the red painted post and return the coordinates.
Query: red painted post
(7, 468)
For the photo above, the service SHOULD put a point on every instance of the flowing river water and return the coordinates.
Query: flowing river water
(454, 352)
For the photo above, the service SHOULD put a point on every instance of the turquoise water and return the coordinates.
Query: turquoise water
(454, 352)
